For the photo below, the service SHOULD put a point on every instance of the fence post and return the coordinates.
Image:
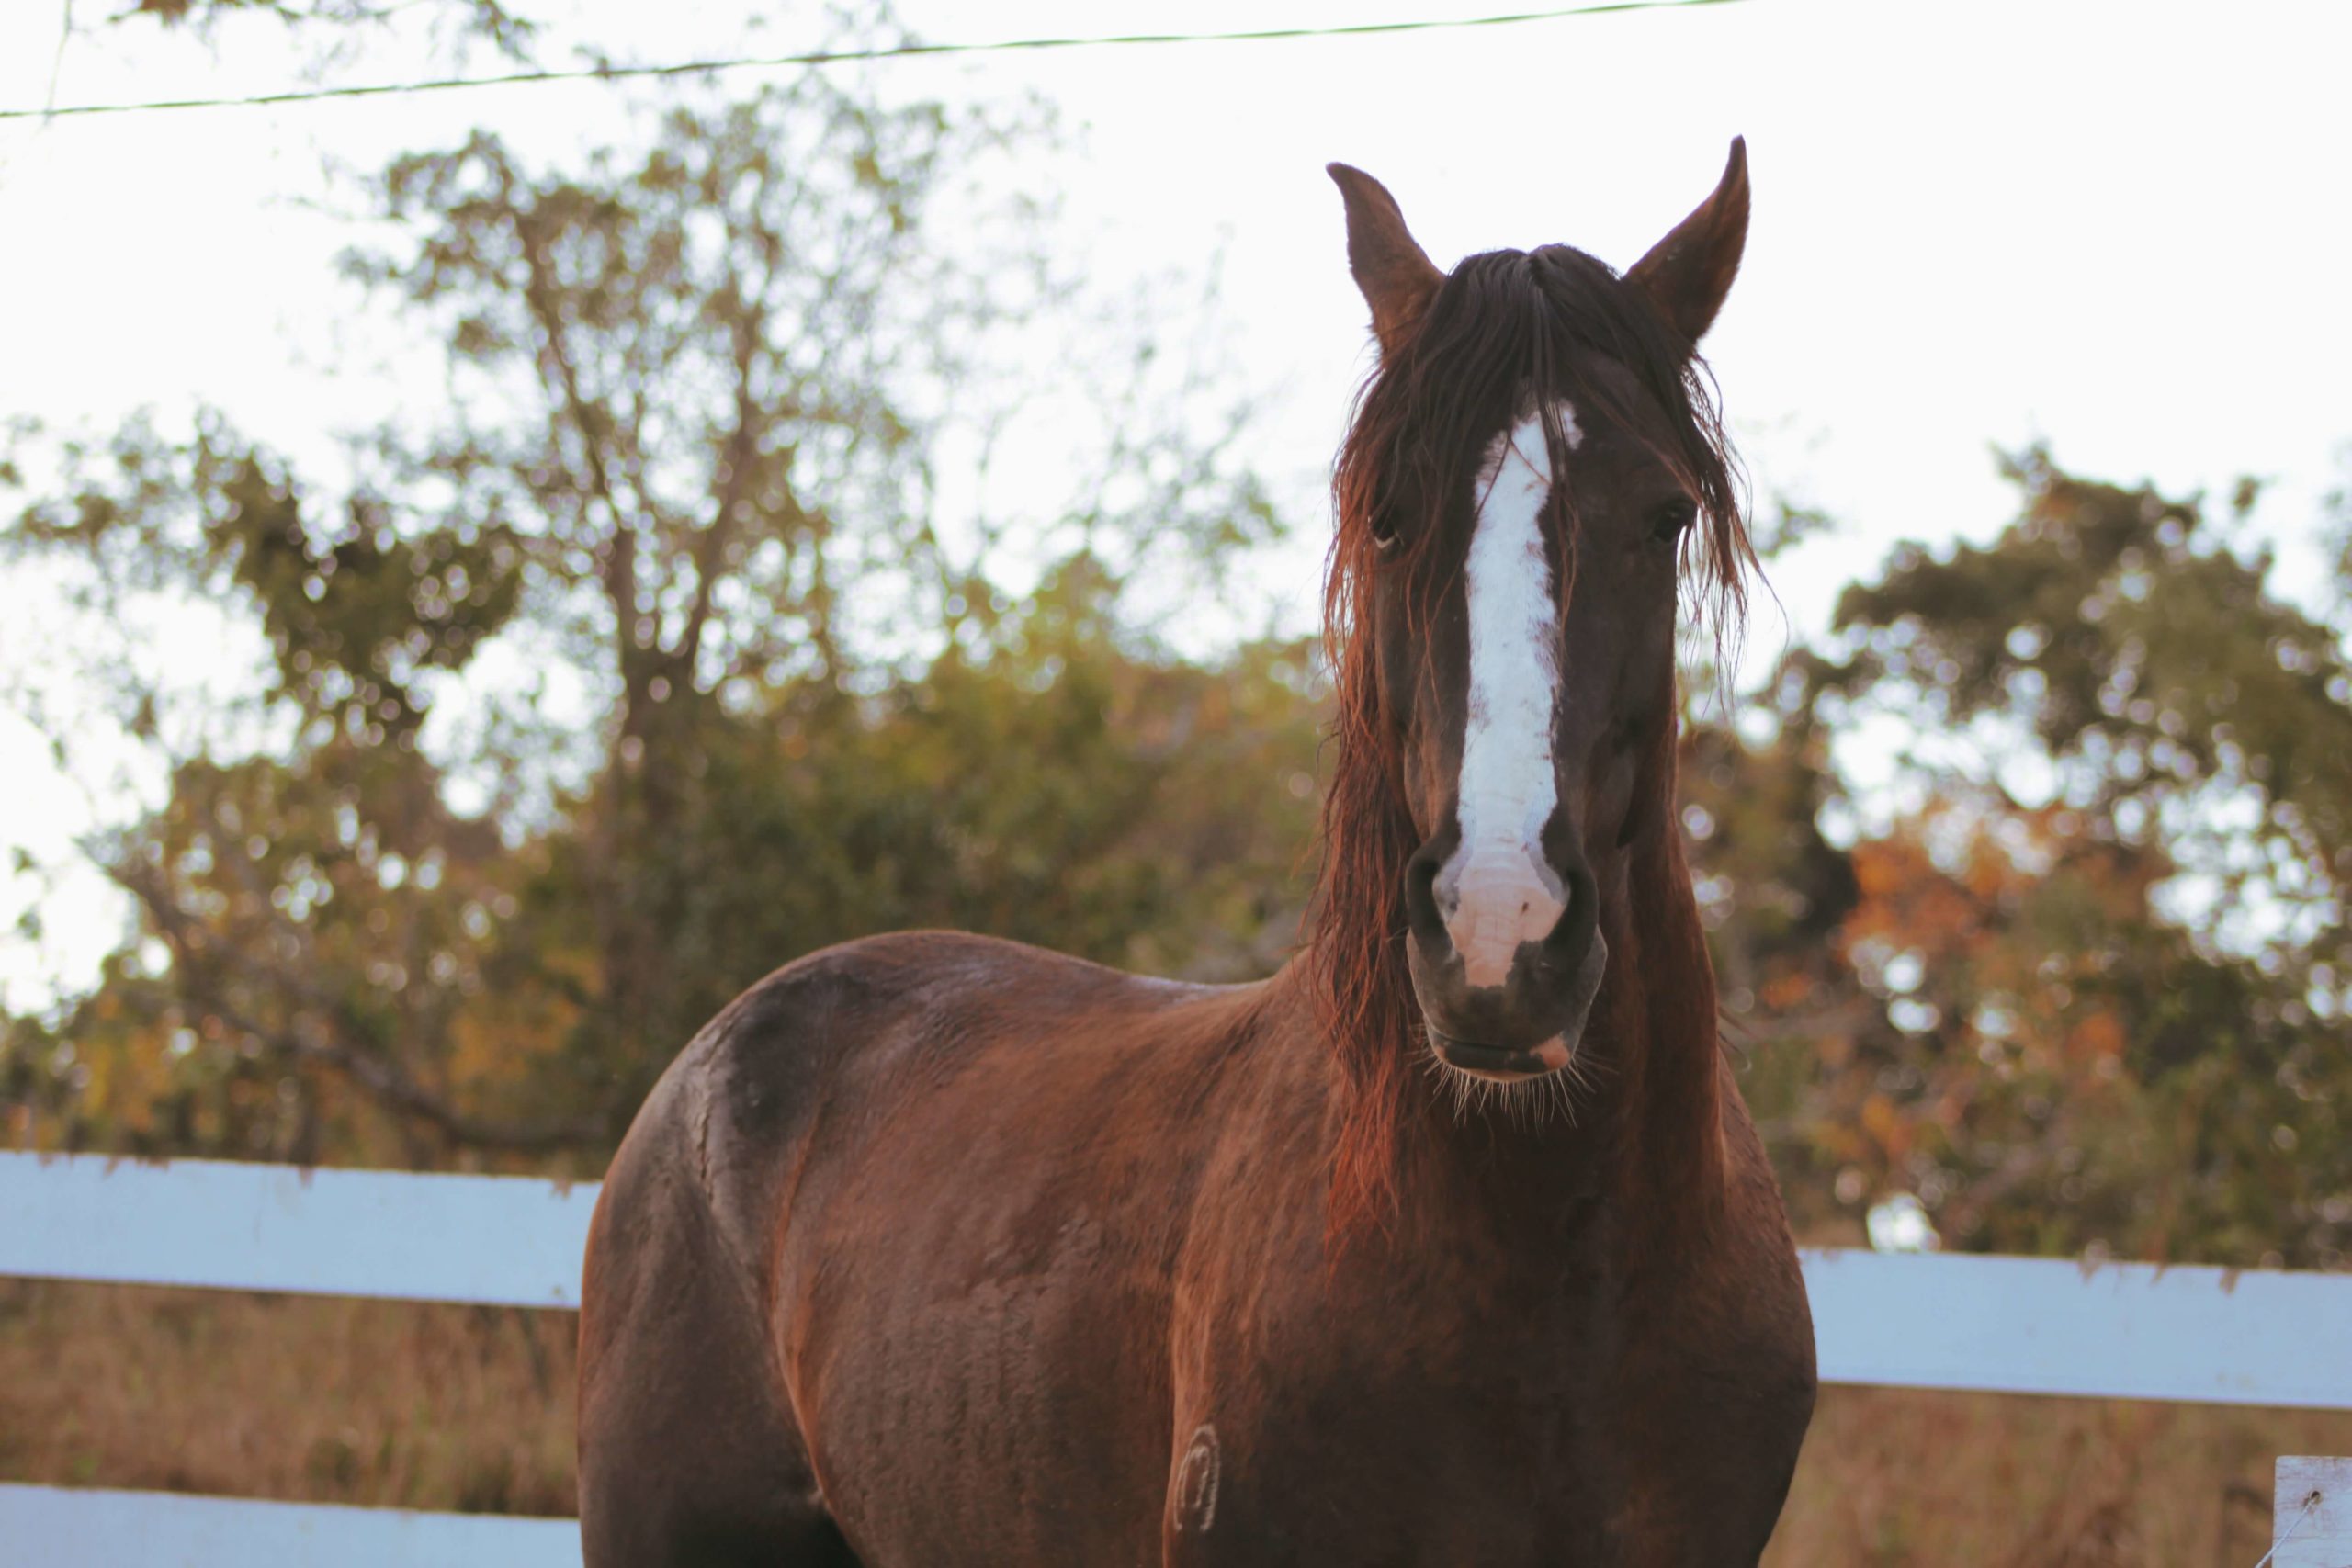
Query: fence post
(2311, 1513)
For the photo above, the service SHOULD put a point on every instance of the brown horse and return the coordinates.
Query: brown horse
(1452, 1243)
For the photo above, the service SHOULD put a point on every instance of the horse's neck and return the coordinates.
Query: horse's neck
(1641, 1133)
(1663, 1025)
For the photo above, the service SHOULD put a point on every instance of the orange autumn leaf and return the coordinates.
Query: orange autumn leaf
(1885, 1125)
(2101, 1034)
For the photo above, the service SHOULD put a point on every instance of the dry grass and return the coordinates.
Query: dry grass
(470, 1408)
(1896, 1476)
(310, 1398)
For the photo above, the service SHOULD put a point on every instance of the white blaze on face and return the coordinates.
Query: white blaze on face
(1496, 890)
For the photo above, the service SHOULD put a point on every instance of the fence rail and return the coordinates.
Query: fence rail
(1998, 1325)
(59, 1527)
(494, 1240)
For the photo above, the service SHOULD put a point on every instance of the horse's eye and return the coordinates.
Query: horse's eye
(1384, 539)
(1668, 521)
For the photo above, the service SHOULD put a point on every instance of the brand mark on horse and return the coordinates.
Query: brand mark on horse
(1196, 1477)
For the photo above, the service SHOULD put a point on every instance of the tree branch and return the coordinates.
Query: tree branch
(382, 1080)
(710, 549)
(619, 566)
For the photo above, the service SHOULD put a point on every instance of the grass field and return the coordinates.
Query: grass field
(470, 1408)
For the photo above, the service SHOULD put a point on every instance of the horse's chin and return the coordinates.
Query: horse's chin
(1502, 1064)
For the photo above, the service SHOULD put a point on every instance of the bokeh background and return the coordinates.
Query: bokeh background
(490, 573)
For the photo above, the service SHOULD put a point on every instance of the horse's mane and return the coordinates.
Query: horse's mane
(1505, 329)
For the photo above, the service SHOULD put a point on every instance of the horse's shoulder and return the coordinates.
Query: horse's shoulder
(1748, 1308)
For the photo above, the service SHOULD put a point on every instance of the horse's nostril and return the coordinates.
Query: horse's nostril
(1421, 917)
(1580, 920)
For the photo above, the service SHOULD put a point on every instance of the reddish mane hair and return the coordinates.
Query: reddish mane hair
(1506, 329)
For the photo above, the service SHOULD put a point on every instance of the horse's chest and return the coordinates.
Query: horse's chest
(1576, 1433)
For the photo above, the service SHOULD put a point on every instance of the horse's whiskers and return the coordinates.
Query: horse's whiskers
(1527, 1103)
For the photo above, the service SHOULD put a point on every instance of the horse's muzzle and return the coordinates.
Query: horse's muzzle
(1502, 1062)
(1532, 1021)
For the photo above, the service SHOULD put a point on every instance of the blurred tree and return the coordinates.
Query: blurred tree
(2089, 985)
(704, 408)
(503, 26)
(685, 642)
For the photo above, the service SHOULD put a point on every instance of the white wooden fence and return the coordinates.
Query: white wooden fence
(2002, 1325)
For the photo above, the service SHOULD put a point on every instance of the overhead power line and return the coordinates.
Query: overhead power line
(847, 56)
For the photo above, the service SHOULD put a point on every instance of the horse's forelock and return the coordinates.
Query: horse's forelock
(1598, 317)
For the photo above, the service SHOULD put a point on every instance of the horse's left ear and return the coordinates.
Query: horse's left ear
(1687, 274)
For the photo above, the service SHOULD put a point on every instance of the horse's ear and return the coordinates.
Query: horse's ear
(1687, 274)
(1395, 275)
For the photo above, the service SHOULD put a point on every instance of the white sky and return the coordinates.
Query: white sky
(2122, 227)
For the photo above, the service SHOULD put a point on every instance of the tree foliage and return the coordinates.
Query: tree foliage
(690, 632)
(504, 28)
(706, 400)
(2086, 988)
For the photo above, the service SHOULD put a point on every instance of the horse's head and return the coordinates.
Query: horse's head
(1532, 466)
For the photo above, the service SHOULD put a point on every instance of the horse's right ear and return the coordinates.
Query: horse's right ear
(1395, 275)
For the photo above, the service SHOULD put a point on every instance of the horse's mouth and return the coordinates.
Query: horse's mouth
(1500, 1064)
